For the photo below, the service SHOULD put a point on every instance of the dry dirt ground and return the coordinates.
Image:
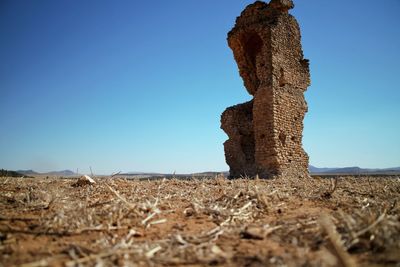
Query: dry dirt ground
(348, 221)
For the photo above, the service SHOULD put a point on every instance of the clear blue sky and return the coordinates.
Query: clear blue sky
(140, 85)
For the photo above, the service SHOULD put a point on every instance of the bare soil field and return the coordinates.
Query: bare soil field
(348, 221)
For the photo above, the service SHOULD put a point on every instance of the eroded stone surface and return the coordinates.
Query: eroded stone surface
(265, 134)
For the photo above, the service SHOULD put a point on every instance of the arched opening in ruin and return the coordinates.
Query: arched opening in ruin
(252, 44)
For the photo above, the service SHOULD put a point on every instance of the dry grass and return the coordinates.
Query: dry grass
(47, 222)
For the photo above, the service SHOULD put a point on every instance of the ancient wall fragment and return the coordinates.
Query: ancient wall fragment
(265, 134)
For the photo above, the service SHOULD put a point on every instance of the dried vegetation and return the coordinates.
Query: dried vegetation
(116, 222)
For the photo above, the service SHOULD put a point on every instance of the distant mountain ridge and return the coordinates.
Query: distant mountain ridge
(7, 173)
(353, 170)
(27, 172)
(313, 170)
(51, 173)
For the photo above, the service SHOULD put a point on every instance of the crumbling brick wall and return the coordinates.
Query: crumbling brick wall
(265, 134)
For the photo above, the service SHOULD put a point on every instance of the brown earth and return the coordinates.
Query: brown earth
(197, 222)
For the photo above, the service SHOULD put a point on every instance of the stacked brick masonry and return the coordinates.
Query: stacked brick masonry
(265, 134)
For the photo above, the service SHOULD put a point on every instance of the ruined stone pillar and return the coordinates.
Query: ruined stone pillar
(265, 134)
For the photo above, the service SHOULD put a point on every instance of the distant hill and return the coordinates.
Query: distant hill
(61, 173)
(7, 173)
(313, 170)
(170, 175)
(52, 173)
(142, 173)
(353, 170)
(28, 172)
